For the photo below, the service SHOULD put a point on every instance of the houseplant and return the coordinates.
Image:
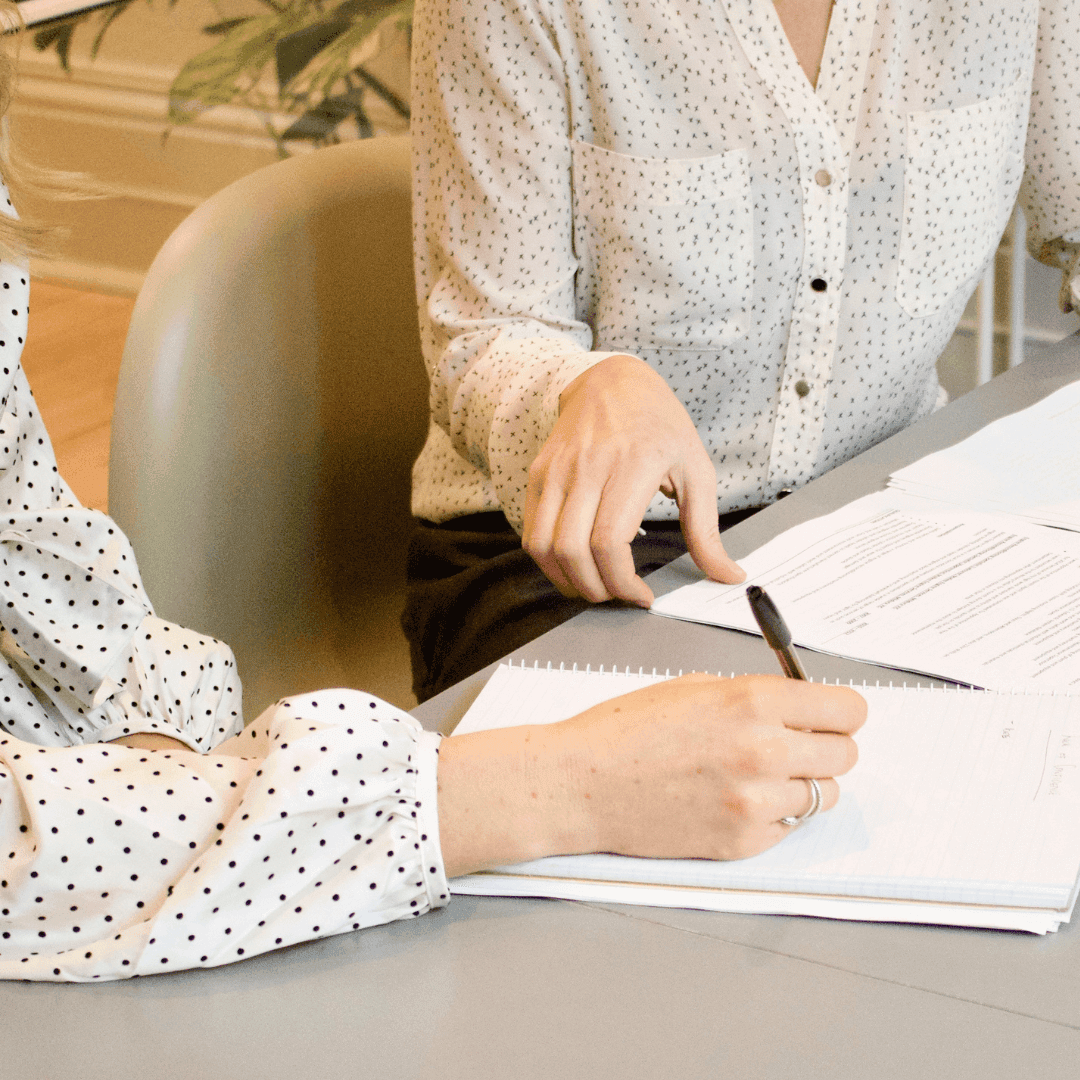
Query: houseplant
(303, 59)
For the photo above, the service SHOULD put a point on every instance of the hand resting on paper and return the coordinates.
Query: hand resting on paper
(621, 436)
(696, 767)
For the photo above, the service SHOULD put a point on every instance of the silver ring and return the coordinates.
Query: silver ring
(815, 804)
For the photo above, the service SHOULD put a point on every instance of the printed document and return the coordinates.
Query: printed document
(975, 597)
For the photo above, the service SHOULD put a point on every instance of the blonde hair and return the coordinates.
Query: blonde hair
(24, 236)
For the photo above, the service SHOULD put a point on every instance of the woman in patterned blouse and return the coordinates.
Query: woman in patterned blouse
(676, 259)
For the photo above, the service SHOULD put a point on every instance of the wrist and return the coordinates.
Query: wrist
(512, 795)
(608, 373)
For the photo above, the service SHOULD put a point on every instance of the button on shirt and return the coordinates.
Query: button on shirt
(662, 180)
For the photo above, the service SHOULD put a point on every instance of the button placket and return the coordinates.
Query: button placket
(800, 419)
(822, 126)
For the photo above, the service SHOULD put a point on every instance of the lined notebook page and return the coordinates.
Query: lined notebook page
(959, 796)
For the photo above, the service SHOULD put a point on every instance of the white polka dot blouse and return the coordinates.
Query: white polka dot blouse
(117, 862)
(84, 658)
(661, 179)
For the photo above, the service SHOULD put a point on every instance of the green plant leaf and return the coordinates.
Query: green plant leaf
(315, 55)
(111, 15)
(329, 67)
(362, 9)
(58, 35)
(223, 27)
(396, 103)
(230, 69)
(320, 121)
(294, 52)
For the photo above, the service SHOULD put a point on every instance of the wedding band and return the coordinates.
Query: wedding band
(815, 804)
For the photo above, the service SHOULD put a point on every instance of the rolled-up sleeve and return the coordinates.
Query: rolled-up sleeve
(1050, 193)
(494, 241)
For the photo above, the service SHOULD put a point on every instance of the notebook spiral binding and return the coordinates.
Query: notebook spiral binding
(667, 674)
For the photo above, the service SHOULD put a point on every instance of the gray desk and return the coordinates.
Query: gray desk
(522, 989)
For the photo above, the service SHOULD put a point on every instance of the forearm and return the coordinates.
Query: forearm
(698, 767)
(496, 268)
(149, 741)
(511, 795)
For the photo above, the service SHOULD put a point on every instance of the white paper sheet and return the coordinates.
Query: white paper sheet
(979, 598)
(751, 903)
(962, 810)
(1026, 464)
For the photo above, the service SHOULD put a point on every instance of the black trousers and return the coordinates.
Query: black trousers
(474, 595)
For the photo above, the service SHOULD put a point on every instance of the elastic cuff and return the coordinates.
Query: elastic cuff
(426, 759)
(574, 365)
(121, 728)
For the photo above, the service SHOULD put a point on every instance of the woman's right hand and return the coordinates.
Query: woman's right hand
(697, 767)
(621, 437)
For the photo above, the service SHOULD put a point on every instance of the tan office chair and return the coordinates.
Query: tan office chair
(271, 402)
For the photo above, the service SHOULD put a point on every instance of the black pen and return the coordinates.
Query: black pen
(774, 630)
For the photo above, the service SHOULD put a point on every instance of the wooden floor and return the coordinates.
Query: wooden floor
(72, 359)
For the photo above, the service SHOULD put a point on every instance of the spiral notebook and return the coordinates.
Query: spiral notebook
(964, 810)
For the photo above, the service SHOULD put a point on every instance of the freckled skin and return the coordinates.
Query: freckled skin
(698, 767)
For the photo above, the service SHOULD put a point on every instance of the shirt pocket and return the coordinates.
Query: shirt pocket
(664, 247)
(964, 168)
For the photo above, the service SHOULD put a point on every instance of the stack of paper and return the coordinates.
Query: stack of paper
(961, 811)
(978, 598)
(1027, 464)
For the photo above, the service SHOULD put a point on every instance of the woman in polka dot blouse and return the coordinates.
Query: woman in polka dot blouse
(141, 831)
(677, 258)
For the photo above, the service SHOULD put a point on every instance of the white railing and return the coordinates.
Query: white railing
(985, 305)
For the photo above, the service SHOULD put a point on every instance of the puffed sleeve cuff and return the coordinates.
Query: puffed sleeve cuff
(1069, 300)
(337, 830)
(172, 681)
(123, 862)
(531, 375)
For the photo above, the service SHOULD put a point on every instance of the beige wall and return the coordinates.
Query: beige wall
(108, 118)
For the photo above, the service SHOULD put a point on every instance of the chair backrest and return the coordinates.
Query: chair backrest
(271, 401)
